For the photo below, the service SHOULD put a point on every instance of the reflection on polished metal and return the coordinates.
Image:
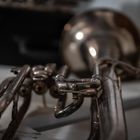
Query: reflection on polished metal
(98, 34)
(37, 79)
(103, 87)
(91, 41)
(94, 42)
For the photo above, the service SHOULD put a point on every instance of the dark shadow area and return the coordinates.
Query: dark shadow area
(30, 37)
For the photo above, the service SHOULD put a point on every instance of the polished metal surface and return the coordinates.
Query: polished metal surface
(97, 34)
(101, 41)
(130, 95)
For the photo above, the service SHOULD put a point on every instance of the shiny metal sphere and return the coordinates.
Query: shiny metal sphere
(96, 34)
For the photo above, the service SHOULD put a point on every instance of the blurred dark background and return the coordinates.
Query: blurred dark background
(30, 36)
(30, 30)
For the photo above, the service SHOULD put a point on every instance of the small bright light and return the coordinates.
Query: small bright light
(79, 36)
(92, 52)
